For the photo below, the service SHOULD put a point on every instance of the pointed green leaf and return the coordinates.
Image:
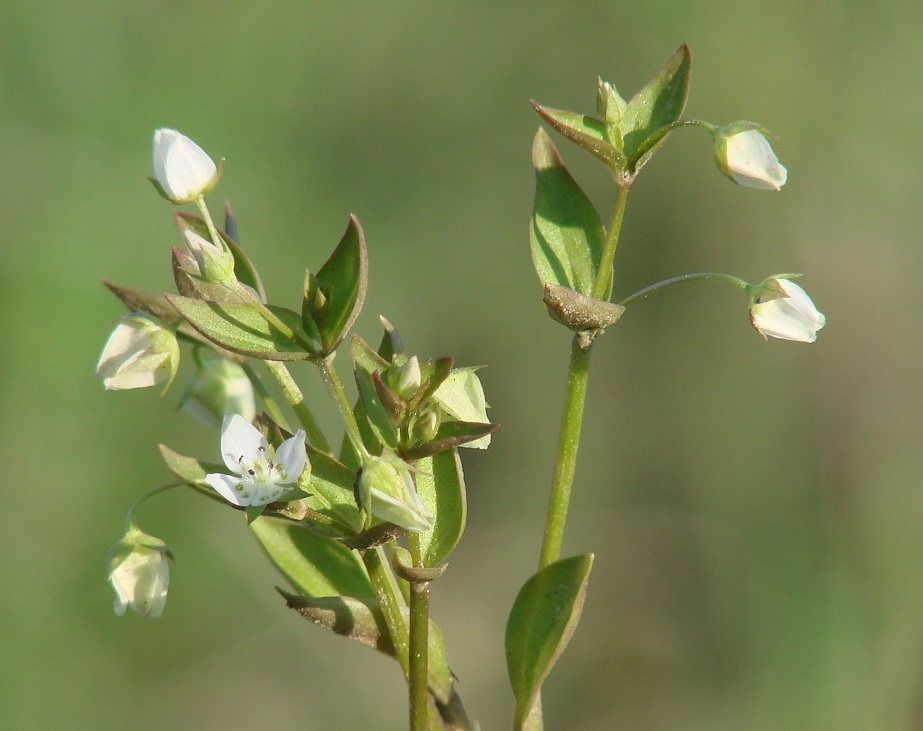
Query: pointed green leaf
(314, 564)
(347, 616)
(331, 489)
(451, 434)
(585, 131)
(657, 105)
(541, 623)
(244, 329)
(342, 281)
(441, 486)
(191, 471)
(566, 233)
(366, 362)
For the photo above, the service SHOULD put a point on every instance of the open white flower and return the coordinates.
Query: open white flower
(139, 571)
(746, 157)
(139, 353)
(793, 317)
(182, 169)
(260, 475)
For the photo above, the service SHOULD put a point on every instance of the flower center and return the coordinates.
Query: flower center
(261, 468)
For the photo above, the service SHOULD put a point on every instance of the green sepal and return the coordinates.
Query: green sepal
(391, 343)
(244, 269)
(450, 434)
(366, 362)
(244, 329)
(566, 234)
(189, 283)
(315, 565)
(440, 484)
(589, 133)
(651, 112)
(334, 296)
(541, 623)
(394, 405)
(434, 372)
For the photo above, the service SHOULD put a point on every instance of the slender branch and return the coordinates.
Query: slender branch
(335, 388)
(129, 516)
(272, 406)
(392, 603)
(295, 397)
(693, 277)
(604, 275)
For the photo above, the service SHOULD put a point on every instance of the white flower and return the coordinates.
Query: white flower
(220, 387)
(260, 475)
(182, 169)
(139, 353)
(140, 573)
(386, 490)
(746, 157)
(793, 317)
(461, 396)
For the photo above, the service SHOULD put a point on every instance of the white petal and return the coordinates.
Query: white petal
(291, 456)
(182, 168)
(266, 492)
(233, 489)
(239, 438)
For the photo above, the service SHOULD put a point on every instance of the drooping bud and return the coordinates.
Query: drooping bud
(219, 387)
(743, 154)
(139, 353)
(386, 491)
(139, 572)
(791, 316)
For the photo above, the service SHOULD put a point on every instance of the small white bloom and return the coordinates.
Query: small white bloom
(409, 377)
(182, 169)
(461, 396)
(747, 158)
(386, 490)
(793, 317)
(260, 475)
(139, 353)
(220, 387)
(139, 571)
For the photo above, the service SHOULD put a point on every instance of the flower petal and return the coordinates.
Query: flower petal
(239, 438)
(233, 489)
(291, 456)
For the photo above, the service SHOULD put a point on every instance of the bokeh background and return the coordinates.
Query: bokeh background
(755, 507)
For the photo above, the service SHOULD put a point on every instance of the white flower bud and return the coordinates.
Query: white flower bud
(182, 169)
(220, 387)
(140, 573)
(386, 491)
(139, 353)
(746, 157)
(793, 317)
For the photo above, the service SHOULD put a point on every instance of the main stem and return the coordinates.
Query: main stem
(418, 677)
(295, 397)
(572, 417)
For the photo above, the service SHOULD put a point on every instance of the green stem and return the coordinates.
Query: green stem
(270, 316)
(566, 462)
(272, 406)
(603, 283)
(150, 493)
(418, 678)
(391, 601)
(335, 388)
(572, 417)
(693, 277)
(295, 397)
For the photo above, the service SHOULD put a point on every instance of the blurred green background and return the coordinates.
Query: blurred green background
(755, 507)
